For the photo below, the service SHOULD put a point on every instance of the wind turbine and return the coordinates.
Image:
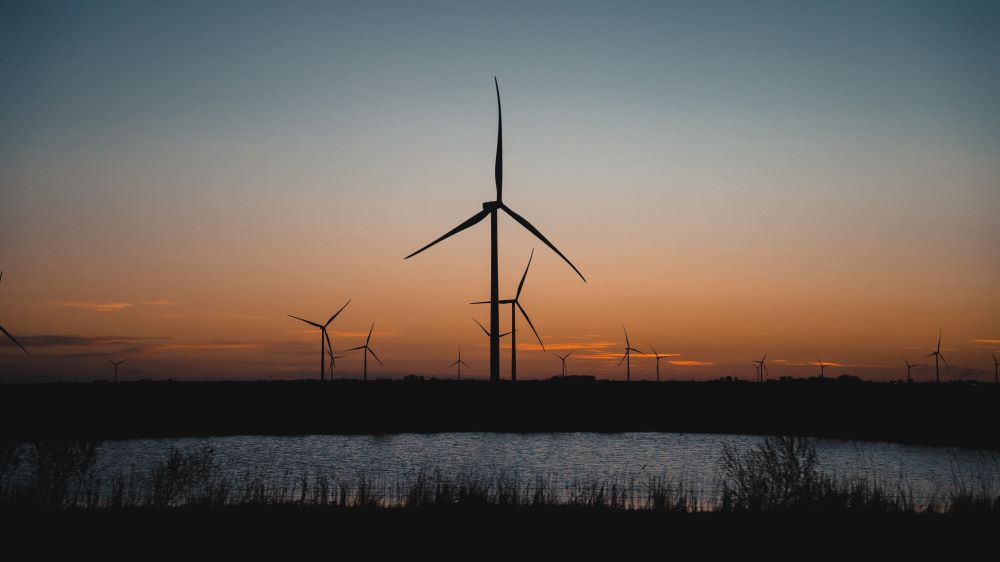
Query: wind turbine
(937, 355)
(324, 341)
(563, 359)
(368, 350)
(627, 357)
(658, 357)
(909, 367)
(459, 363)
(490, 209)
(116, 363)
(996, 368)
(8, 334)
(822, 367)
(761, 368)
(515, 305)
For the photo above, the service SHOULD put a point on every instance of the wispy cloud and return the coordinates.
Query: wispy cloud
(217, 345)
(593, 346)
(93, 305)
(987, 343)
(691, 363)
(53, 340)
(160, 303)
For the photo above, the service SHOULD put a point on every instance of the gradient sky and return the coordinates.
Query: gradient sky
(810, 179)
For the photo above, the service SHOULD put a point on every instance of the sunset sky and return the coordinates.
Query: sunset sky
(808, 179)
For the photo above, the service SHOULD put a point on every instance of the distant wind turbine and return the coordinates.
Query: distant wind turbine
(909, 367)
(515, 305)
(937, 355)
(761, 368)
(996, 368)
(9, 335)
(563, 359)
(658, 357)
(368, 350)
(822, 367)
(490, 209)
(459, 364)
(116, 363)
(324, 341)
(627, 357)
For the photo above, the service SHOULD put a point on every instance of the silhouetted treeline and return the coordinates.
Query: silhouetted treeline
(947, 414)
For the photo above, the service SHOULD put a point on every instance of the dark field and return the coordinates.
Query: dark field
(955, 414)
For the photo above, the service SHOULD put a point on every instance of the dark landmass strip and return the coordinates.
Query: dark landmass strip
(952, 414)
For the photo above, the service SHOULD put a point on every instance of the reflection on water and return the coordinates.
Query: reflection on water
(692, 459)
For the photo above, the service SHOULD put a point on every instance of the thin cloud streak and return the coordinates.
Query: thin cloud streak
(93, 306)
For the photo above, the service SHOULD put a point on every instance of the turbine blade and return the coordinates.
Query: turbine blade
(466, 364)
(338, 312)
(372, 351)
(570, 353)
(369, 338)
(481, 302)
(355, 348)
(654, 350)
(525, 314)
(946, 365)
(622, 359)
(939, 340)
(539, 235)
(109, 361)
(453, 364)
(123, 361)
(475, 218)
(485, 331)
(505, 334)
(627, 345)
(311, 323)
(523, 277)
(634, 350)
(498, 166)
(13, 339)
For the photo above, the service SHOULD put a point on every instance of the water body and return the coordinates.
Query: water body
(691, 459)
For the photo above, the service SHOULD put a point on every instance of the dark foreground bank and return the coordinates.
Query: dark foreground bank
(954, 414)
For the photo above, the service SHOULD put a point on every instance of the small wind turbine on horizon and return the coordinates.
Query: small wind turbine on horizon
(909, 367)
(563, 359)
(368, 350)
(459, 363)
(491, 208)
(627, 357)
(116, 363)
(937, 355)
(9, 335)
(996, 368)
(822, 367)
(515, 305)
(658, 357)
(324, 341)
(761, 367)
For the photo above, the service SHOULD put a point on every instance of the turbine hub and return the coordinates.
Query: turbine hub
(491, 205)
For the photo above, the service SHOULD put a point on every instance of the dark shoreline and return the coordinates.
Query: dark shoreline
(952, 414)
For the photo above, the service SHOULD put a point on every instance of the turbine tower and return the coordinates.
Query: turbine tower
(909, 367)
(8, 334)
(490, 209)
(515, 305)
(563, 359)
(658, 357)
(368, 350)
(761, 367)
(324, 341)
(116, 363)
(627, 357)
(459, 363)
(937, 355)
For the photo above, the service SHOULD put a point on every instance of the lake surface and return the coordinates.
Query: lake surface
(691, 459)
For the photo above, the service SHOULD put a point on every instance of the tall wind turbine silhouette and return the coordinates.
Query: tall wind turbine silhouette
(459, 363)
(563, 359)
(324, 341)
(116, 363)
(822, 367)
(658, 357)
(515, 305)
(627, 357)
(996, 368)
(8, 334)
(368, 350)
(490, 209)
(937, 355)
(761, 367)
(909, 367)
